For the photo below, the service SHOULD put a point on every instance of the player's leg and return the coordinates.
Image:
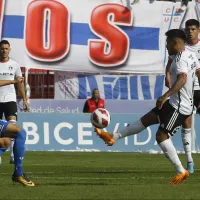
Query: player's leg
(12, 131)
(11, 116)
(12, 119)
(169, 151)
(187, 143)
(197, 100)
(2, 149)
(131, 129)
(170, 121)
(4, 144)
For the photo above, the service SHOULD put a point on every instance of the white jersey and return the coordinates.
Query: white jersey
(184, 62)
(9, 71)
(195, 49)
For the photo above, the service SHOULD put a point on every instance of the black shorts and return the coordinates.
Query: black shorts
(170, 119)
(8, 109)
(196, 98)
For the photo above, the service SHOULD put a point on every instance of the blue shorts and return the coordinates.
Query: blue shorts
(3, 127)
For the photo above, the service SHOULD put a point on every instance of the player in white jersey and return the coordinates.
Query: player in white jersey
(192, 44)
(9, 69)
(169, 113)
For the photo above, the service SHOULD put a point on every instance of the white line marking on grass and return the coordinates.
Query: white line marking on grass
(30, 173)
(92, 178)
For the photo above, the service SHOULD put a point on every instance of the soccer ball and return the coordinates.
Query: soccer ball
(100, 118)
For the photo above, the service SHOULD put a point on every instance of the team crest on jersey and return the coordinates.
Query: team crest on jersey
(10, 68)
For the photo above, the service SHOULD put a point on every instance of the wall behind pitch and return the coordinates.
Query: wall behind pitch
(74, 132)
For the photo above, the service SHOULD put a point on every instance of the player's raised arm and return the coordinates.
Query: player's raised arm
(19, 79)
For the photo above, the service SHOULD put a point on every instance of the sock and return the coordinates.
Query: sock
(2, 150)
(130, 129)
(19, 149)
(170, 152)
(12, 141)
(187, 143)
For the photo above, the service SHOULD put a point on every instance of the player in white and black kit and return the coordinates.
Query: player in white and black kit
(192, 44)
(169, 113)
(9, 69)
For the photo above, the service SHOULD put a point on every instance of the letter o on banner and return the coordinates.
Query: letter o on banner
(58, 30)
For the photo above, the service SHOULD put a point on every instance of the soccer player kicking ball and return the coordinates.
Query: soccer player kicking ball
(9, 130)
(192, 44)
(169, 113)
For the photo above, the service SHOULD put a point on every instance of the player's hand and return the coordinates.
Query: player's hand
(160, 101)
(19, 79)
(26, 106)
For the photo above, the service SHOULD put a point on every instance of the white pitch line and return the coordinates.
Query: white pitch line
(30, 173)
(92, 178)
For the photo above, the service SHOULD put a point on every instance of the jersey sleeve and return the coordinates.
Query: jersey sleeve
(182, 67)
(18, 71)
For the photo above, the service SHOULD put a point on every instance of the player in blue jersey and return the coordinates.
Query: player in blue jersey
(9, 130)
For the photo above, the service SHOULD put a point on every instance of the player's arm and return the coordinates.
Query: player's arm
(19, 79)
(198, 69)
(198, 74)
(181, 72)
(167, 73)
(21, 89)
(180, 82)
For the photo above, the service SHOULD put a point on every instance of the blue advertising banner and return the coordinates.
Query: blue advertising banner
(74, 132)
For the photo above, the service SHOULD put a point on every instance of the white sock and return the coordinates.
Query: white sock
(170, 152)
(12, 142)
(131, 129)
(187, 143)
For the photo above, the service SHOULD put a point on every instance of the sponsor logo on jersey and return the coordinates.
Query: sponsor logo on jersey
(6, 74)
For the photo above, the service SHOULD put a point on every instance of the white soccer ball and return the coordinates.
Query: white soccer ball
(100, 118)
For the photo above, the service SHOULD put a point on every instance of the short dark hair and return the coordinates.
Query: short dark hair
(192, 22)
(95, 89)
(4, 42)
(176, 33)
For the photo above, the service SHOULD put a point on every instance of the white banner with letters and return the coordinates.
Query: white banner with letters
(96, 36)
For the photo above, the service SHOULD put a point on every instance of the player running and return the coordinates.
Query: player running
(169, 113)
(192, 44)
(9, 130)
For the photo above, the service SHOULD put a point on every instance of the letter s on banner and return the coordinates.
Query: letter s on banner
(103, 23)
(56, 34)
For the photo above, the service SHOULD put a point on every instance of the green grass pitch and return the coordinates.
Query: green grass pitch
(72, 175)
